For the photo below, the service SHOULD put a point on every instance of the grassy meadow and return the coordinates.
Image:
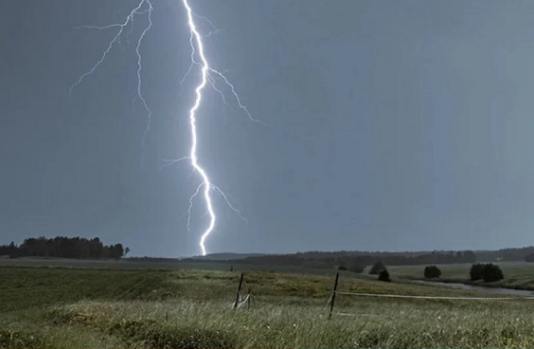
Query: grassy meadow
(519, 275)
(186, 308)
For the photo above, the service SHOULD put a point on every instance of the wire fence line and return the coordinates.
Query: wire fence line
(462, 298)
(240, 299)
(335, 292)
(244, 298)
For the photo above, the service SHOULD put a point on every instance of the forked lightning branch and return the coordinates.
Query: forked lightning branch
(208, 76)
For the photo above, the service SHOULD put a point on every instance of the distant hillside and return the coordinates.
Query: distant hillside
(505, 254)
(357, 260)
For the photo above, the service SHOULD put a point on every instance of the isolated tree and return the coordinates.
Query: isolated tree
(377, 268)
(341, 267)
(491, 273)
(476, 272)
(384, 276)
(432, 272)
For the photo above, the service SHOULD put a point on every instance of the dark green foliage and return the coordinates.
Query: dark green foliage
(384, 276)
(341, 267)
(529, 258)
(432, 272)
(487, 272)
(64, 247)
(377, 268)
(9, 250)
(492, 273)
(476, 272)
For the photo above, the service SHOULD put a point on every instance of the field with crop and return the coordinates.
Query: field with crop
(172, 308)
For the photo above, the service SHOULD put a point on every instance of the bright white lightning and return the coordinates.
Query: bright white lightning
(197, 50)
(209, 75)
(229, 204)
(234, 93)
(204, 69)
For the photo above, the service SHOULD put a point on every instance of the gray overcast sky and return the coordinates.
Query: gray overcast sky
(391, 125)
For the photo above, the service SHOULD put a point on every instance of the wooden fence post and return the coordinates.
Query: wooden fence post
(238, 291)
(333, 298)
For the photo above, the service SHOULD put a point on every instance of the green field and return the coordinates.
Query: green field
(186, 308)
(518, 275)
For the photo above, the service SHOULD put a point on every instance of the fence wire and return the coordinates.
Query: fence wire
(462, 298)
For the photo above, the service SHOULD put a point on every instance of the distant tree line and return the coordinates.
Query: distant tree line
(64, 247)
(356, 261)
(507, 255)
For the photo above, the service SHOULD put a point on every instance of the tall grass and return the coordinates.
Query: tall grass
(371, 325)
(192, 309)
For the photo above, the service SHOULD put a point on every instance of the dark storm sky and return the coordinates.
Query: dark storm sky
(391, 125)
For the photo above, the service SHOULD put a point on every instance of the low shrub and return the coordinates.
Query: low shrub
(384, 276)
(492, 273)
(487, 272)
(432, 272)
(476, 272)
(377, 268)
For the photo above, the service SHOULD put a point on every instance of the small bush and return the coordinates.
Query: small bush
(384, 276)
(377, 268)
(432, 272)
(487, 272)
(492, 273)
(476, 272)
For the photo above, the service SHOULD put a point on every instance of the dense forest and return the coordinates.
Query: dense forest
(64, 247)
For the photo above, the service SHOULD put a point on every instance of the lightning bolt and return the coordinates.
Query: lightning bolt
(143, 7)
(140, 70)
(198, 45)
(209, 76)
